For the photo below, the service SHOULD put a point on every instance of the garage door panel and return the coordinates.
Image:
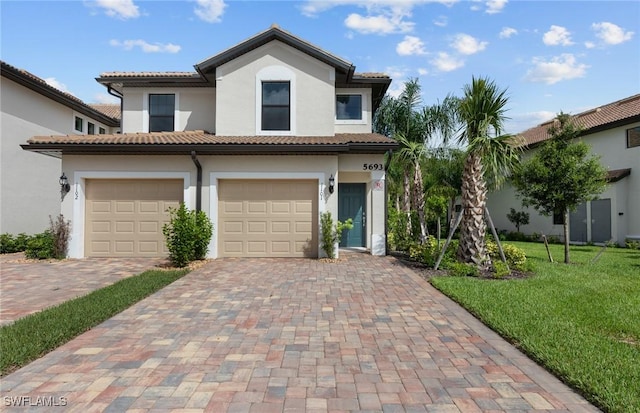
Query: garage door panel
(278, 218)
(124, 218)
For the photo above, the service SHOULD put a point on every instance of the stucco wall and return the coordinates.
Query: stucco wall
(312, 91)
(29, 181)
(227, 167)
(195, 108)
(624, 194)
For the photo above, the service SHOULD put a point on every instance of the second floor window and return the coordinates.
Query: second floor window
(276, 106)
(161, 113)
(78, 124)
(91, 128)
(349, 107)
(633, 137)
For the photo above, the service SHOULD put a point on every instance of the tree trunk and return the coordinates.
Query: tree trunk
(406, 199)
(418, 201)
(473, 227)
(565, 228)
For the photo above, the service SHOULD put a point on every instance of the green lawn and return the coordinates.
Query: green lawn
(581, 321)
(37, 334)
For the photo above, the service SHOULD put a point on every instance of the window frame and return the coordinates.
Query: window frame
(152, 117)
(636, 144)
(91, 128)
(264, 106)
(78, 120)
(361, 120)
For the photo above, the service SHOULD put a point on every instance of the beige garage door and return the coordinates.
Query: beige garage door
(260, 218)
(124, 217)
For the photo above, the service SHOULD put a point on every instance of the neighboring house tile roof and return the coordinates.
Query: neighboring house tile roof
(609, 116)
(40, 86)
(110, 109)
(204, 142)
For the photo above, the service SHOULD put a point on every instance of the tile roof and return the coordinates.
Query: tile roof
(110, 109)
(372, 75)
(203, 137)
(592, 120)
(149, 74)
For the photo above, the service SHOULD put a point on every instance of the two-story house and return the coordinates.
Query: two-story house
(29, 190)
(613, 133)
(264, 137)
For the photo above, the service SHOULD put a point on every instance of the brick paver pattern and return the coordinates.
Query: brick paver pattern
(28, 287)
(293, 335)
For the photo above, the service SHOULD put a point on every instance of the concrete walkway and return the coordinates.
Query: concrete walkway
(291, 335)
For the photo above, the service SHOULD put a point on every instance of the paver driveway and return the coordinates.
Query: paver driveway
(274, 335)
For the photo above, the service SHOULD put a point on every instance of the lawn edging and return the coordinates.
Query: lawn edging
(31, 337)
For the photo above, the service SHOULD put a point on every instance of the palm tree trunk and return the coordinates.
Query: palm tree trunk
(418, 201)
(406, 199)
(472, 247)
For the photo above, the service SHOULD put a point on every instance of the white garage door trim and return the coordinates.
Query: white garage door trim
(213, 194)
(76, 244)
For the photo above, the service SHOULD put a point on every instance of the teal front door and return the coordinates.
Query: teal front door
(351, 204)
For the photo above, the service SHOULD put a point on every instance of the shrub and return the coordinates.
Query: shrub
(40, 246)
(460, 269)
(428, 252)
(516, 257)
(187, 234)
(332, 234)
(500, 269)
(10, 244)
(518, 218)
(399, 238)
(632, 245)
(60, 231)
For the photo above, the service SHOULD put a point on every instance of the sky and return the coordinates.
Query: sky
(550, 56)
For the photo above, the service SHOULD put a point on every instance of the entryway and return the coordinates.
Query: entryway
(351, 204)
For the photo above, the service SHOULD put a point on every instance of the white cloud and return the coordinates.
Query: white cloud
(507, 32)
(53, 82)
(495, 6)
(557, 35)
(467, 45)
(121, 9)
(589, 45)
(145, 46)
(411, 45)
(611, 33)
(311, 8)
(441, 21)
(522, 121)
(378, 24)
(447, 63)
(105, 98)
(422, 71)
(210, 11)
(563, 67)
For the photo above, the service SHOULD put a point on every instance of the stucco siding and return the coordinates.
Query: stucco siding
(29, 181)
(312, 84)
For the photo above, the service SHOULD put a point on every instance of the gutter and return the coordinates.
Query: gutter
(195, 160)
(386, 201)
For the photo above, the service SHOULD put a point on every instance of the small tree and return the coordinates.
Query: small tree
(561, 175)
(332, 234)
(518, 218)
(187, 234)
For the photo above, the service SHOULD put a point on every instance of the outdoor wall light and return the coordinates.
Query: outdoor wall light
(332, 183)
(64, 184)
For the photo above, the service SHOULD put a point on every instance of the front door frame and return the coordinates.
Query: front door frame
(363, 213)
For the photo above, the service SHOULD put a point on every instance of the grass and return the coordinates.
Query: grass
(33, 336)
(581, 321)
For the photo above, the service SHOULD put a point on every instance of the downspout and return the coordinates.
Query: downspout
(196, 162)
(386, 200)
(118, 95)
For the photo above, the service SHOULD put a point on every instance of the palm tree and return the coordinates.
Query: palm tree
(489, 158)
(414, 153)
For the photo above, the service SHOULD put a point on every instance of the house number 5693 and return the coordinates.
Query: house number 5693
(372, 167)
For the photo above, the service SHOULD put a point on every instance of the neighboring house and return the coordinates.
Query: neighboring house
(263, 137)
(29, 189)
(613, 132)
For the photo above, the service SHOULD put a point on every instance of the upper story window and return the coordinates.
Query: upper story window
(91, 128)
(349, 107)
(633, 137)
(161, 113)
(78, 124)
(276, 106)
(102, 131)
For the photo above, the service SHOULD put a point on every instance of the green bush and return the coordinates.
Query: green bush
(460, 269)
(187, 235)
(632, 245)
(516, 257)
(332, 234)
(10, 244)
(40, 246)
(500, 269)
(399, 238)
